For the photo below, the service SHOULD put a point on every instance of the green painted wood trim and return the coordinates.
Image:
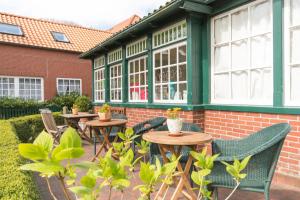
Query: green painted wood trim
(196, 7)
(194, 71)
(93, 80)
(150, 68)
(137, 55)
(107, 82)
(278, 6)
(220, 6)
(124, 76)
(169, 44)
(206, 62)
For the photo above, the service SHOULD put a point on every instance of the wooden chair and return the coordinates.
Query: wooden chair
(50, 125)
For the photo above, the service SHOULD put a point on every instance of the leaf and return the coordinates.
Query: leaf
(43, 167)
(121, 183)
(32, 152)
(81, 190)
(242, 176)
(129, 132)
(195, 178)
(204, 172)
(69, 153)
(127, 159)
(70, 139)
(88, 181)
(244, 163)
(121, 135)
(85, 165)
(146, 173)
(44, 140)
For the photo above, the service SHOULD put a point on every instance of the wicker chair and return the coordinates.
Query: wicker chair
(154, 149)
(147, 125)
(115, 130)
(264, 146)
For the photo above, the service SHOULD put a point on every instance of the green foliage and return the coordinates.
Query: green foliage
(143, 147)
(151, 175)
(14, 184)
(204, 164)
(84, 103)
(65, 100)
(105, 108)
(236, 168)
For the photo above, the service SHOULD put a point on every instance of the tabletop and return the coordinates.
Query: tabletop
(80, 115)
(113, 122)
(188, 138)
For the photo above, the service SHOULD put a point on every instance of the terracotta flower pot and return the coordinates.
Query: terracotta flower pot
(75, 111)
(174, 126)
(104, 116)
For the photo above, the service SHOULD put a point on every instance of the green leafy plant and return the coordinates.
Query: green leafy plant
(173, 113)
(105, 108)
(48, 160)
(143, 148)
(151, 175)
(235, 170)
(84, 103)
(65, 100)
(204, 164)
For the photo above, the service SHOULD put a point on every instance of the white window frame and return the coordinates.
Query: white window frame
(139, 73)
(17, 85)
(177, 45)
(248, 68)
(116, 77)
(115, 55)
(287, 55)
(100, 60)
(142, 47)
(99, 70)
(69, 79)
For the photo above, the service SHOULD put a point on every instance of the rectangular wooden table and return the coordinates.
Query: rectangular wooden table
(72, 120)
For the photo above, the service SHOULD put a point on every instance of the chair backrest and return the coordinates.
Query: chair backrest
(118, 110)
(48, 120)
(148, 125)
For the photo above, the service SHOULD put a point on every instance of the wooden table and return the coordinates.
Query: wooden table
(174, 145)
(105, 130)
(72, 120)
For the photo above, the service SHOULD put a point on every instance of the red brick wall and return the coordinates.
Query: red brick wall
(48, 64)
(230, 125)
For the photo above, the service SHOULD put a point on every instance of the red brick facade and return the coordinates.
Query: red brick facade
(232, 125)
(48, 64)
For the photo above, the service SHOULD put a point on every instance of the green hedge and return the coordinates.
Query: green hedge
(16, 184)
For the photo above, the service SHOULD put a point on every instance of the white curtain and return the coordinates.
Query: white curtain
(222, 86)
(240, 54)
(261, 84)
(295, 46)
(261, 18)
(222, 58)
(261, 51)
(239, 24)
(295, 83)
(295, 12)
(240, 85)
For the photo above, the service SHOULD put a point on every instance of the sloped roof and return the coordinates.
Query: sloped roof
(37, 33)
(124, 24)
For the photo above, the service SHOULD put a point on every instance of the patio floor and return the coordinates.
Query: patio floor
(278, 192)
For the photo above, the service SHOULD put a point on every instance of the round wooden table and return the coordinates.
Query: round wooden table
(174, 145)
(105, 130)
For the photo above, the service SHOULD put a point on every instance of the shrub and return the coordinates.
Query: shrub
(84, 103)
(14, 184)
(65, 100)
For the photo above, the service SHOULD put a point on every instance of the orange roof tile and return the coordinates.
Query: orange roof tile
(122, 25)
(37, 33)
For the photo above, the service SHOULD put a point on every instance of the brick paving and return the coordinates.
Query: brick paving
(278, 192)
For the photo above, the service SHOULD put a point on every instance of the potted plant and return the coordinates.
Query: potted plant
(104, 113)
(75, 109)
(84, 103)
(174, 122)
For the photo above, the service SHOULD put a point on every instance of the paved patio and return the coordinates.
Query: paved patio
(278, 192)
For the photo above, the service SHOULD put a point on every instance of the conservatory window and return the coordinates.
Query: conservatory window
(292, 52)
(116, 83)
(242, 58)
(99, 87)
(170, 74)
(138, 79)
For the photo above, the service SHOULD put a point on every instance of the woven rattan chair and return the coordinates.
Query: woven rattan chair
(146, 126)
(154, 150)
(115, 130)
(264, 146)
(50, 125)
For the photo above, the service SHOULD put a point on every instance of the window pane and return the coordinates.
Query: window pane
(261, 51)
(261, 84)
(174, 92)
(295, 12)
(182, 91)
(137, 66)
(157, 60)
(239, 24)
(222, 58)
(165, 58)
(222, 88)
(182, 53)
(142, 64)
(261, 18)
(157, 92)
(295, 83)
(295, 47)
(240, 54)
(240, 85)
(157, 75)
(182, 73)
(173, 56)
(173, 74)
(221, 30)
(165, 92)
(131, 67)
(165, 75)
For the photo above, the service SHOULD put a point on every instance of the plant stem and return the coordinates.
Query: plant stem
(109, 195)
(237, 185)
(50, 190)
(61, 179)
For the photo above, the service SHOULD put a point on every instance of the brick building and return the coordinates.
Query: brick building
(232, 66)
(40, 58)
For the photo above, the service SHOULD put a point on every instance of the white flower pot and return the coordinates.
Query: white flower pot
(174, 126)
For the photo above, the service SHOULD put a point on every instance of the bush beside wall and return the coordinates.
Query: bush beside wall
(16, 184)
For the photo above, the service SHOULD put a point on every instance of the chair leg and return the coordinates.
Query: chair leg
(267, 195)
(215, 194)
